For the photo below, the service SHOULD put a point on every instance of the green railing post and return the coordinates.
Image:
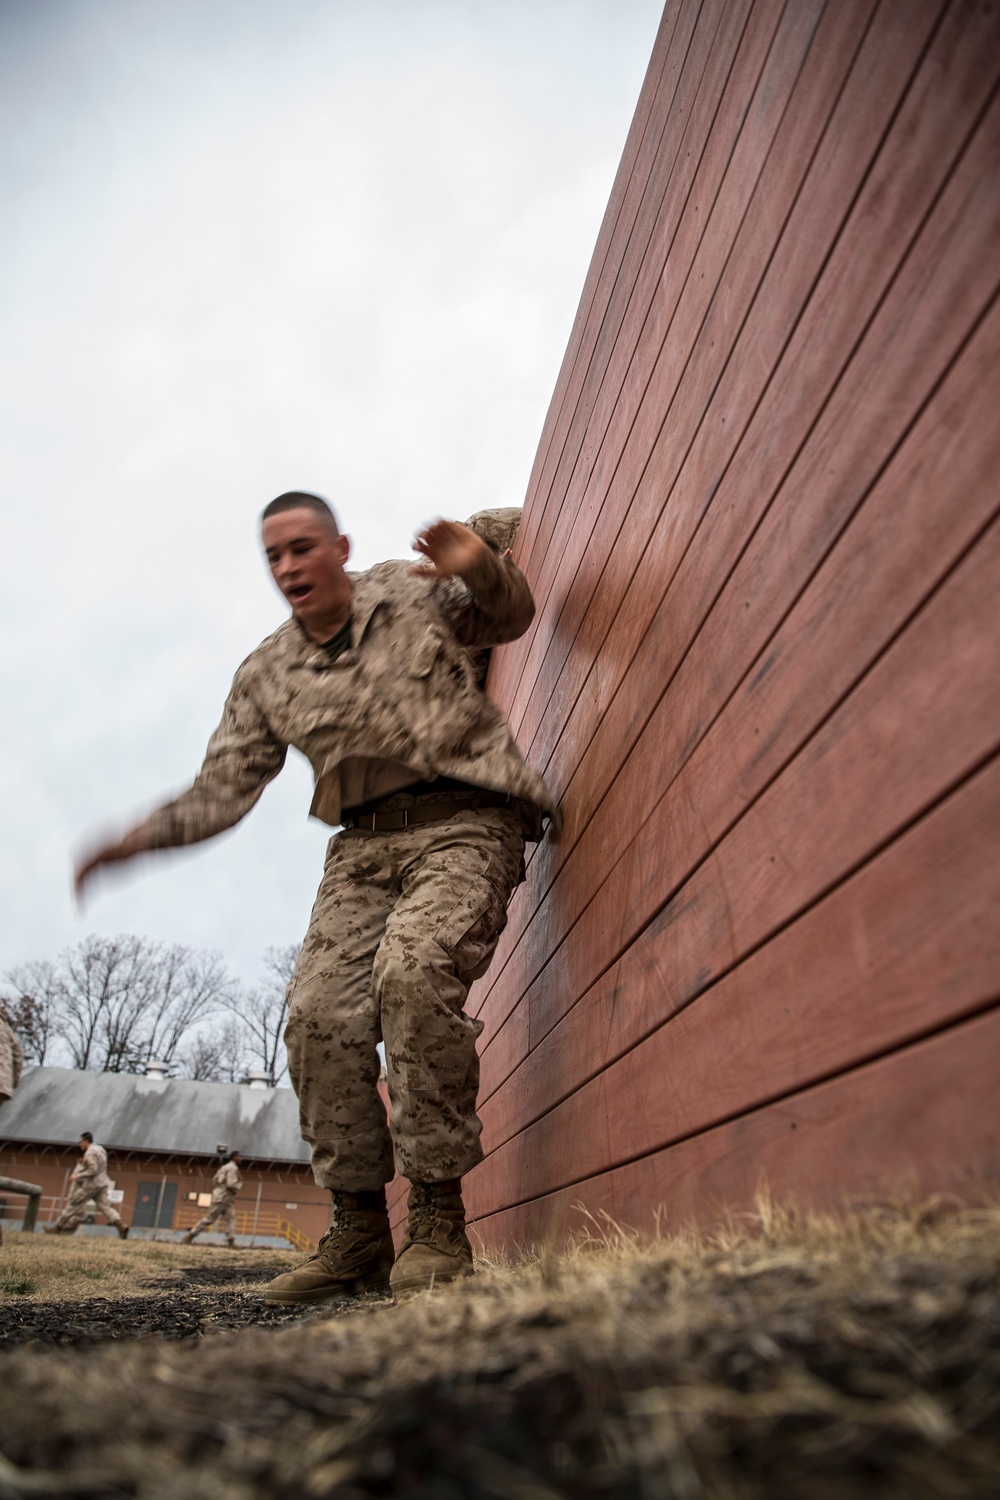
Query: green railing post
(31, 1191)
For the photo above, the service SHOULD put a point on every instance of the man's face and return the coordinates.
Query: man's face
(83, 1144)
(307, 563)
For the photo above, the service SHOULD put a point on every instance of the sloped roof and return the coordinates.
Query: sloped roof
(127, 1112)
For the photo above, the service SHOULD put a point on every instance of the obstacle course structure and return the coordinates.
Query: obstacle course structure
(763, 678)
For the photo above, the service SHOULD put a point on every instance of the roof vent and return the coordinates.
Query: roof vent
(260, 1080)
(158, 1070)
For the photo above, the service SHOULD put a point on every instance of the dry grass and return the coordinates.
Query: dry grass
(788, 1359)
(37, 1268)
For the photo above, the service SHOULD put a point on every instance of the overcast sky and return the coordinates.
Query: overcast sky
(251, 246)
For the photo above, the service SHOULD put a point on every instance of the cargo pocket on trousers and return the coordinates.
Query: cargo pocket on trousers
(470, 932)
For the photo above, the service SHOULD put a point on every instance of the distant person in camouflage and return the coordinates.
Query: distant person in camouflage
(225, 1185)
(11, 1066)
(374, 679)
(11, 1061)
(89, 1182)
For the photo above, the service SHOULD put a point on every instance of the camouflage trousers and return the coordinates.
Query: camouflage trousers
(402, 925)
(80, 1194)
(224, 1212)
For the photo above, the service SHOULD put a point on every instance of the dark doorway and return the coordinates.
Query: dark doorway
(147, 1200)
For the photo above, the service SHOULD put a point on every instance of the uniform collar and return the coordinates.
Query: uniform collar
(366, 595)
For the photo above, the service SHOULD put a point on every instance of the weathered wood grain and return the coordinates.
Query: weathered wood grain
(941, 289)
(921, 1120)
(927, 508)
(828, 111)
(630, 199)
(921, 719)
(626, 193)
(686, 132)
(764, 536)
(818, 209)
(907, 945)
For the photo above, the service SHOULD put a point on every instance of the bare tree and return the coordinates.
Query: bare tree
(188, 986)
(108, 986)
(115, 1003)
(217, 1055)
(264, 1010)
(32, 1007)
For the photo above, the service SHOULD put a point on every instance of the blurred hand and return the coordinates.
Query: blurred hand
(451, 549)
(114, 852)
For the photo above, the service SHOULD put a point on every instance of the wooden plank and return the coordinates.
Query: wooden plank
(750, 112)
(779, 281)
(906, 946)
(626, 194)
(939, 294)
(687, 128)
(921, 1121)
(803, 124)
(927, 710)
(629, 194)
(909, 170)
(947, 278)
(927, 507)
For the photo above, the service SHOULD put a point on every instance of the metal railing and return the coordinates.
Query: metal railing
(45, 1207)
(249, 1222)
(49, 1207)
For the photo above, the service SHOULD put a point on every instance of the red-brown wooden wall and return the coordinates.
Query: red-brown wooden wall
(762, 533)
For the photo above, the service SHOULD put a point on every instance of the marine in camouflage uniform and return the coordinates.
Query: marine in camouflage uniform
(89, 1182)
(375, 678)
(11, 1066)
(225, 1185)
(11, 1060)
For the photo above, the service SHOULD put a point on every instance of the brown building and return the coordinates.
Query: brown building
(164, 1137)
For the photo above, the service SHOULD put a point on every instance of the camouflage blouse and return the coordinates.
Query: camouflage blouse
(402, 705)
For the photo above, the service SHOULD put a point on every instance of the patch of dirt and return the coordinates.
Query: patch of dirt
(228, 1275)
(208, 1275)
(84, 1324)
(182, 1310)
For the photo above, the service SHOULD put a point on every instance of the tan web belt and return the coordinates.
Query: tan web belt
(426, 810)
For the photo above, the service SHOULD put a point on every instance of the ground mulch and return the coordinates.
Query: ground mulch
(799, 1360)
(191, 1303)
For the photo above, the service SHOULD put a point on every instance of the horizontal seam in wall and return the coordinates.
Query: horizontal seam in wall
(921, 1037)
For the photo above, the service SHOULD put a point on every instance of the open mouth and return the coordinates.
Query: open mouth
(299, 592)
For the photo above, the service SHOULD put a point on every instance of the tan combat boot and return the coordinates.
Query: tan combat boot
(436, 1248)
(123, 1230)
(355, 1255)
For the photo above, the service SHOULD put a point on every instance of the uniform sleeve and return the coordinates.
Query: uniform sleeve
(243, 755)
(11, 1059)
(492, 605)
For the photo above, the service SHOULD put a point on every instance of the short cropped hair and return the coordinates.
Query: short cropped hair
(301, 500)
(85, 1135)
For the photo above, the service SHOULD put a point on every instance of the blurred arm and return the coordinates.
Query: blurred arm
(242, 757)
